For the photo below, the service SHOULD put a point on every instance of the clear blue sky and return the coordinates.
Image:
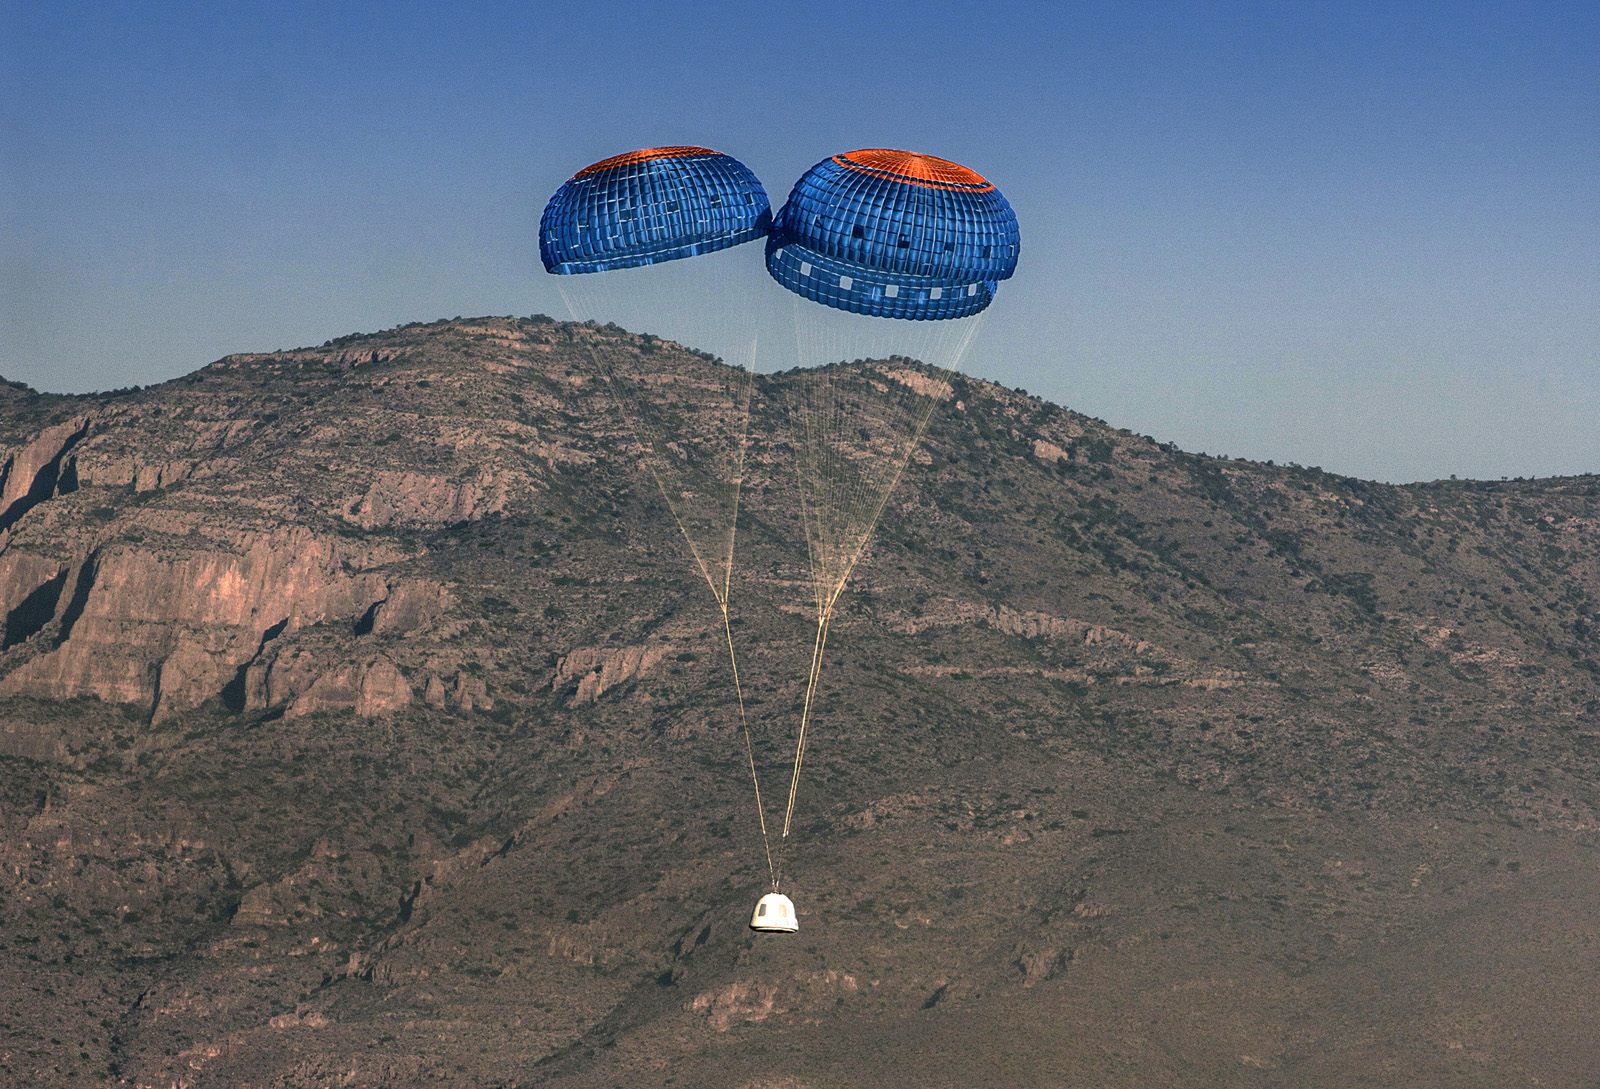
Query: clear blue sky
(1361, 236)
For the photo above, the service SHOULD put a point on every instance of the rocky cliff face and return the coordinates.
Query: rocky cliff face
(363, 721)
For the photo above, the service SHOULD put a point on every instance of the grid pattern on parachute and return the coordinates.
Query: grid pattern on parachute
(894, 234)
(652, 205)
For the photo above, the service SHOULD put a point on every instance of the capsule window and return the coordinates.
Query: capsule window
(761, 910)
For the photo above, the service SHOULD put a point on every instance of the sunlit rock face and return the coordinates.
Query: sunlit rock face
(365, 720)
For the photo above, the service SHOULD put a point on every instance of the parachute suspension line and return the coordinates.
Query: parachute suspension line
(830, 596)
(649, 459)
(727, 630)
(738, 482)
(805, 715)
(750, 752)
(733, 659)
(944, 383)
(842, 502)
(647, 441)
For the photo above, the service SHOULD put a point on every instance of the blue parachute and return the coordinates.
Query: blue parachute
(894, 234)
(645, 207)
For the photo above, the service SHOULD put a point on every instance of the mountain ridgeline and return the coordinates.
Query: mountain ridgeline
(365, 721)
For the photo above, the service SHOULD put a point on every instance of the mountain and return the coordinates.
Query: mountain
(366, 723)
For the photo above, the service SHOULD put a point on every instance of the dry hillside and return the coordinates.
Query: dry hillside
(363, 723)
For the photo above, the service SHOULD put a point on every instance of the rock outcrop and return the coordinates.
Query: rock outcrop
(30, 590)
(32, 474)
(170, 629)
(420, 499)
(598, 670)
(368, 688)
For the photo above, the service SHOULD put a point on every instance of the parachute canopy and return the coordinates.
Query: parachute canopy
(645, 207)
(894, 234)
